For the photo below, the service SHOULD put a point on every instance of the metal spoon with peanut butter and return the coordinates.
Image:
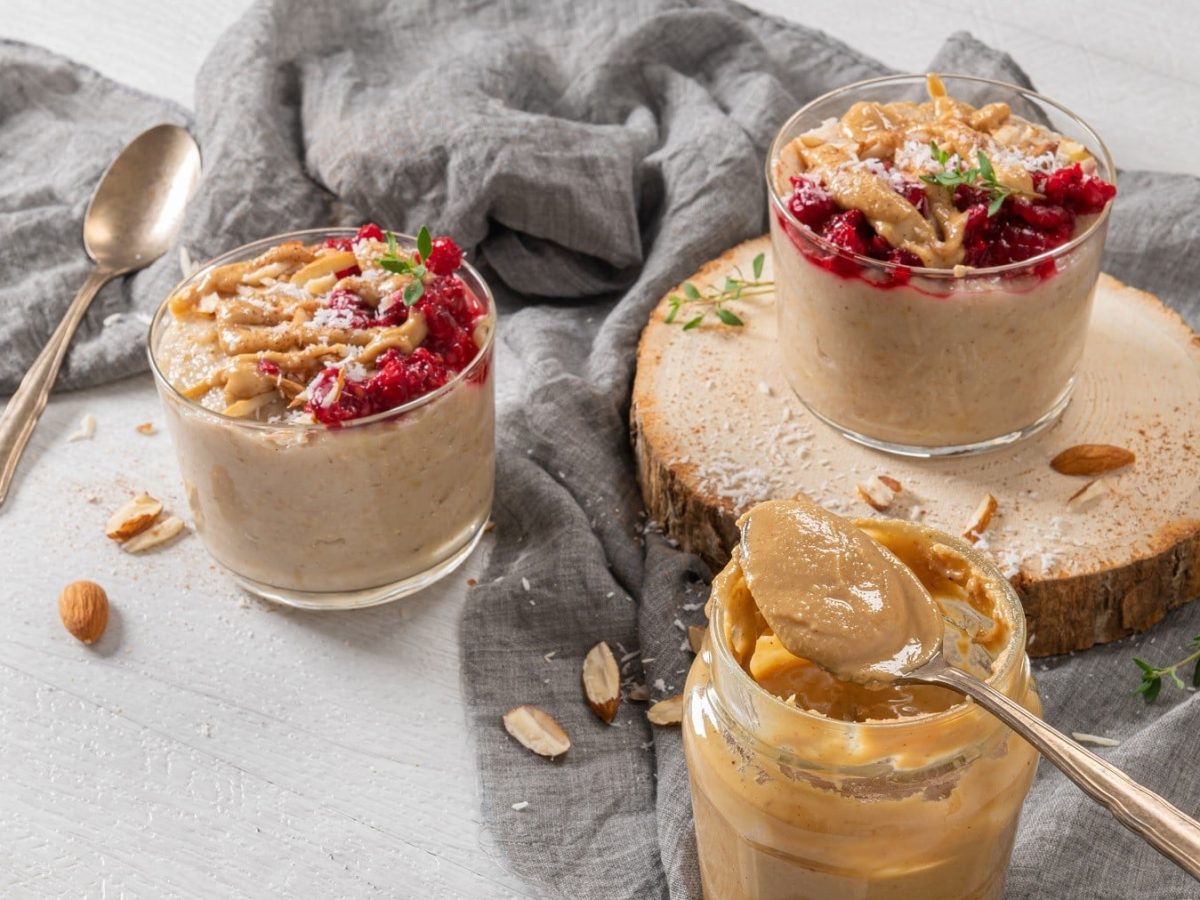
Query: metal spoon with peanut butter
(834, 595)
(838, 598)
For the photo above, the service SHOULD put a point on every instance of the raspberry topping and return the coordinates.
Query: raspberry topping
(809, 203)
(1083, 194)
(1022, 228)
(444, 257)
(369, 232)
(451, 312)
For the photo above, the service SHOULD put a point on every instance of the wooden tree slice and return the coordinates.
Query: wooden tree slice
(716, 428)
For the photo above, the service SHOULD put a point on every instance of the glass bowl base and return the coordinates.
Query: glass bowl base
(920, 452)
(374, 596)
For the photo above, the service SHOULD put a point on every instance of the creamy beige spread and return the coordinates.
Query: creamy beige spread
(860, 158)
(814, 603)
(834, 595)
(892, 792)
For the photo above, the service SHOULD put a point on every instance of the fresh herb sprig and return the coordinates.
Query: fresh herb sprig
(403, 264)
(713, 299)
(981, 176)
(1152, 678)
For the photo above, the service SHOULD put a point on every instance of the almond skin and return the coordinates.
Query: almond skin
(980, 519)
(602, 682)
(133, 518)
(83, 608)
(1091, 459)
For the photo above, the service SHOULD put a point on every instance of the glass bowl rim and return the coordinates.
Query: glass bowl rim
(922, 271)
(1015, 649)
(156, 324)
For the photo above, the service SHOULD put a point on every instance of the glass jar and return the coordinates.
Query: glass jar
(791, 804)
(932, 362)
(342, 517)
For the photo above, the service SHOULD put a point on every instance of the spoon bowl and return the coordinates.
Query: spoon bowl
(138, 206)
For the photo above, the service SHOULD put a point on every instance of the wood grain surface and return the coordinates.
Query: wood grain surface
(716, 428)
(204, 749)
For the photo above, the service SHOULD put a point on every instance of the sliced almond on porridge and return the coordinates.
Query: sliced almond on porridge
(133, 518)
(666, 712)
(602, 682)
(536, 730)
(166, 530)
(325, 264)
(980, 519)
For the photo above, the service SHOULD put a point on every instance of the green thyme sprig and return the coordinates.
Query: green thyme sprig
(982, 176)
(713, 299)
(403, 264)
(1152, 678)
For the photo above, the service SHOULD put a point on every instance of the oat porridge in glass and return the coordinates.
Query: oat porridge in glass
(936, 247)
(330, 397)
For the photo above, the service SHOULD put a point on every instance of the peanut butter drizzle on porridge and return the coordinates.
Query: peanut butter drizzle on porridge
(856, 158)
(250, 337)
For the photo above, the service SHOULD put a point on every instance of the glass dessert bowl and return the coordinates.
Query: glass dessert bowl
(330, 397)
(805, 785)
(935, 259)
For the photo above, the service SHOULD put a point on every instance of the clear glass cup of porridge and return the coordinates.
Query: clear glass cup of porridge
(923, 361)
(341, 517)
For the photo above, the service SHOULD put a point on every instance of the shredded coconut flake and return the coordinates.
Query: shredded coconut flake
(87, 428)
(1098, 740)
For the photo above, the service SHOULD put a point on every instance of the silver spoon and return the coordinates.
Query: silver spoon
(131, 220)
(1142, 811)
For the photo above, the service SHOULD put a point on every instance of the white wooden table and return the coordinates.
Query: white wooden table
(212, 746)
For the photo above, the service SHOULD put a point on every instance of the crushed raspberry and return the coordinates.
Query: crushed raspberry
(452, 313)
(914, 193)
(369, 232)
(342, 299)
(444, 256)
(809, 203)
(267, 367)
(399, 378)
(845, 230)
(1084, 195)
(345, 244)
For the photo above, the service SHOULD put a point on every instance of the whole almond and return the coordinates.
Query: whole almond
(1091, 459)
(537, 730)
(667, 712)
(83, 608)
(133, 518)
(602, 682)
(696, 637)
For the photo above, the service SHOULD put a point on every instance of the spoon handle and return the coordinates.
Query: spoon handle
(26, 404)
(1142, 811)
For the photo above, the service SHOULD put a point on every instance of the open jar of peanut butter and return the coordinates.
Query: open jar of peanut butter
(804, 786)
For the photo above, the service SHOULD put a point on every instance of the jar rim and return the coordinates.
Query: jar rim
(883, 266)
(161, 314)
(1012, 656)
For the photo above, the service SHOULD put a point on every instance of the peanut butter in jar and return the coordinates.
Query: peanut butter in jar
(807, 786)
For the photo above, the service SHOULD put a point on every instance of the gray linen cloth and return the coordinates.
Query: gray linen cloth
(589, 156)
